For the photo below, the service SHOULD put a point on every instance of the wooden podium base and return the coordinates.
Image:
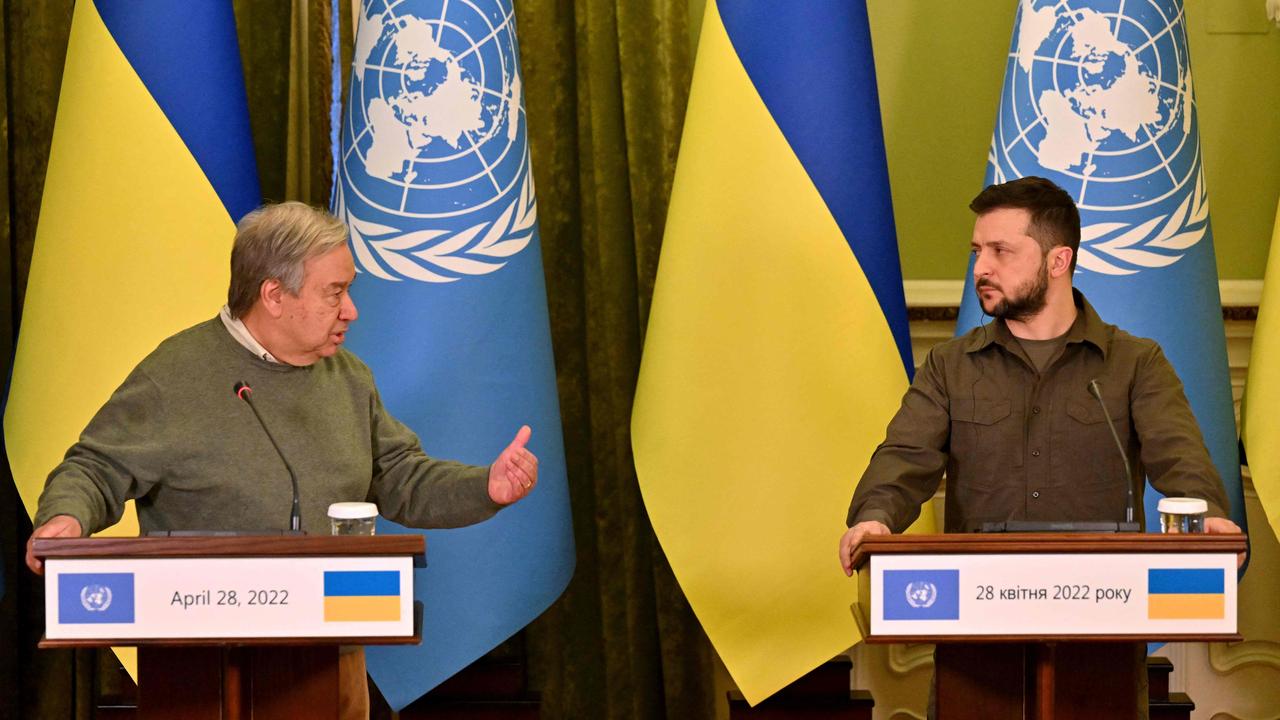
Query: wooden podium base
(264, 682)
(995, 681)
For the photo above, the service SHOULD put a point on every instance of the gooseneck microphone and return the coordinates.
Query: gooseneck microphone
(245, 393)
(1096, 392)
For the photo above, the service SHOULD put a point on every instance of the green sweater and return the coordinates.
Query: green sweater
(176, 438)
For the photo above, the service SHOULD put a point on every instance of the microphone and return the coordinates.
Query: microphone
(245, 393)
(1096, 392)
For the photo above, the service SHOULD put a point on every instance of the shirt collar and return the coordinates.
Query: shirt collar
(1086, 328)
(242, 335)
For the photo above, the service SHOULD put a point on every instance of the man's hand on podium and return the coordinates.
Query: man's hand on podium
(58, 526)
(515, 472)
(1223, 526)
(853, 536)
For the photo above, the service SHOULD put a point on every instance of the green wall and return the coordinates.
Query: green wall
(940, 64)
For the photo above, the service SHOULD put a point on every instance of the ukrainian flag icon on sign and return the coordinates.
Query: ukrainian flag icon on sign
(1186, 594)
(361, 596)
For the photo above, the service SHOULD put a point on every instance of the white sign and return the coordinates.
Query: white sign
(1057, 594)
(288, 597)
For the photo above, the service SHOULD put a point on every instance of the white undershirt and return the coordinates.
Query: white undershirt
(243, 336)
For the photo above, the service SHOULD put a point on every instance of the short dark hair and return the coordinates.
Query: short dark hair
(1055, 220)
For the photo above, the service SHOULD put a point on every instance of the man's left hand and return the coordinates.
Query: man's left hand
(1223, 526)
(514, 474)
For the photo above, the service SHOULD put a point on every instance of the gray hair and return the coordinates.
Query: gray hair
(272, 243)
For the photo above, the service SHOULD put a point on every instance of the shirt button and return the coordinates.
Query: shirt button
(1036, 410)
(1035, 453)
(1035, 494)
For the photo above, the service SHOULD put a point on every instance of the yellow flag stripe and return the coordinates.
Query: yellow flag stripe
(1260, 424)
(1186, 607)
(362, 608)
(769, 374)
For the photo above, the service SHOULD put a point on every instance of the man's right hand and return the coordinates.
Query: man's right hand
(854, 535)
(58, 526)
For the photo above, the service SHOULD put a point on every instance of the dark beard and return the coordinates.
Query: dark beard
(1027, 304)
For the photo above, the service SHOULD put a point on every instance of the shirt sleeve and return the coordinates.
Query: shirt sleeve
(1172, 451)
(119, 456)
(906, 468)
(419, 491)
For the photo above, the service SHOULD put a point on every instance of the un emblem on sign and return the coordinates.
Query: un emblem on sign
(95, 598)
(435, 182)
(921, 594)
(1098, 97)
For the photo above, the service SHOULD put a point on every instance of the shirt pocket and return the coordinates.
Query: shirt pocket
(986, 441)
(1089, 458)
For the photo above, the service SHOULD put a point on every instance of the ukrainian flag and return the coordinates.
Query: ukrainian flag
(361, 596)
(777, 347)
(151, 165)
(1186, 594)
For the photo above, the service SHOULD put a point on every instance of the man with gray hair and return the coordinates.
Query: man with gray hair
(176, 438)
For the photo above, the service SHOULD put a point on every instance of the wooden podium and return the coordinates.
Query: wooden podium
(232, 627)
(1045, 625)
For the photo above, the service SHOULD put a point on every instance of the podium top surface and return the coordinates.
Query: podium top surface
(1032, 543)
(229, 546)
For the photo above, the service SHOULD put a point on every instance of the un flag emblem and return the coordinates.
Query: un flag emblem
(1098, 97)
(434, 175)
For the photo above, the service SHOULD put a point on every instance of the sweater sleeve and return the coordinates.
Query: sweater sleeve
(119, 456)
(419, 491)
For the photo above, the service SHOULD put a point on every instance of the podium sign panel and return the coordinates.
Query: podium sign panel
(122, 599)
(1041, 595)
(230, 627)
(1044, 625)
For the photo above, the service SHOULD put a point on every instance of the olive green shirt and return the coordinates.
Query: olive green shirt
(1017, 444)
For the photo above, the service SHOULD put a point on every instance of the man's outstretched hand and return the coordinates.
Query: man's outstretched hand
(58, 526)
(514, 474)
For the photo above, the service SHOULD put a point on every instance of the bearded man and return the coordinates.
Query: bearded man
(1005, 410)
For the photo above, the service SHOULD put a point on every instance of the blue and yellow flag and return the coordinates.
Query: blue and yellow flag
(150, 167)
(777, 348)
(1259, 424)
(1098, 97)
(436, 187)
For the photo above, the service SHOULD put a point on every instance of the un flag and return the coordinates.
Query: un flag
(1098, 97)
(436, 188)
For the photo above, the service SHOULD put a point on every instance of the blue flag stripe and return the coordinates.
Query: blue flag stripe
(162, 45)
(835, 130)
(1176, 581)
(347, 583)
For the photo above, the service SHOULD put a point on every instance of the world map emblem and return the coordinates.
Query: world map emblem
(1098, 97)
(921, 594)
(434, 174)
(95, 598)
